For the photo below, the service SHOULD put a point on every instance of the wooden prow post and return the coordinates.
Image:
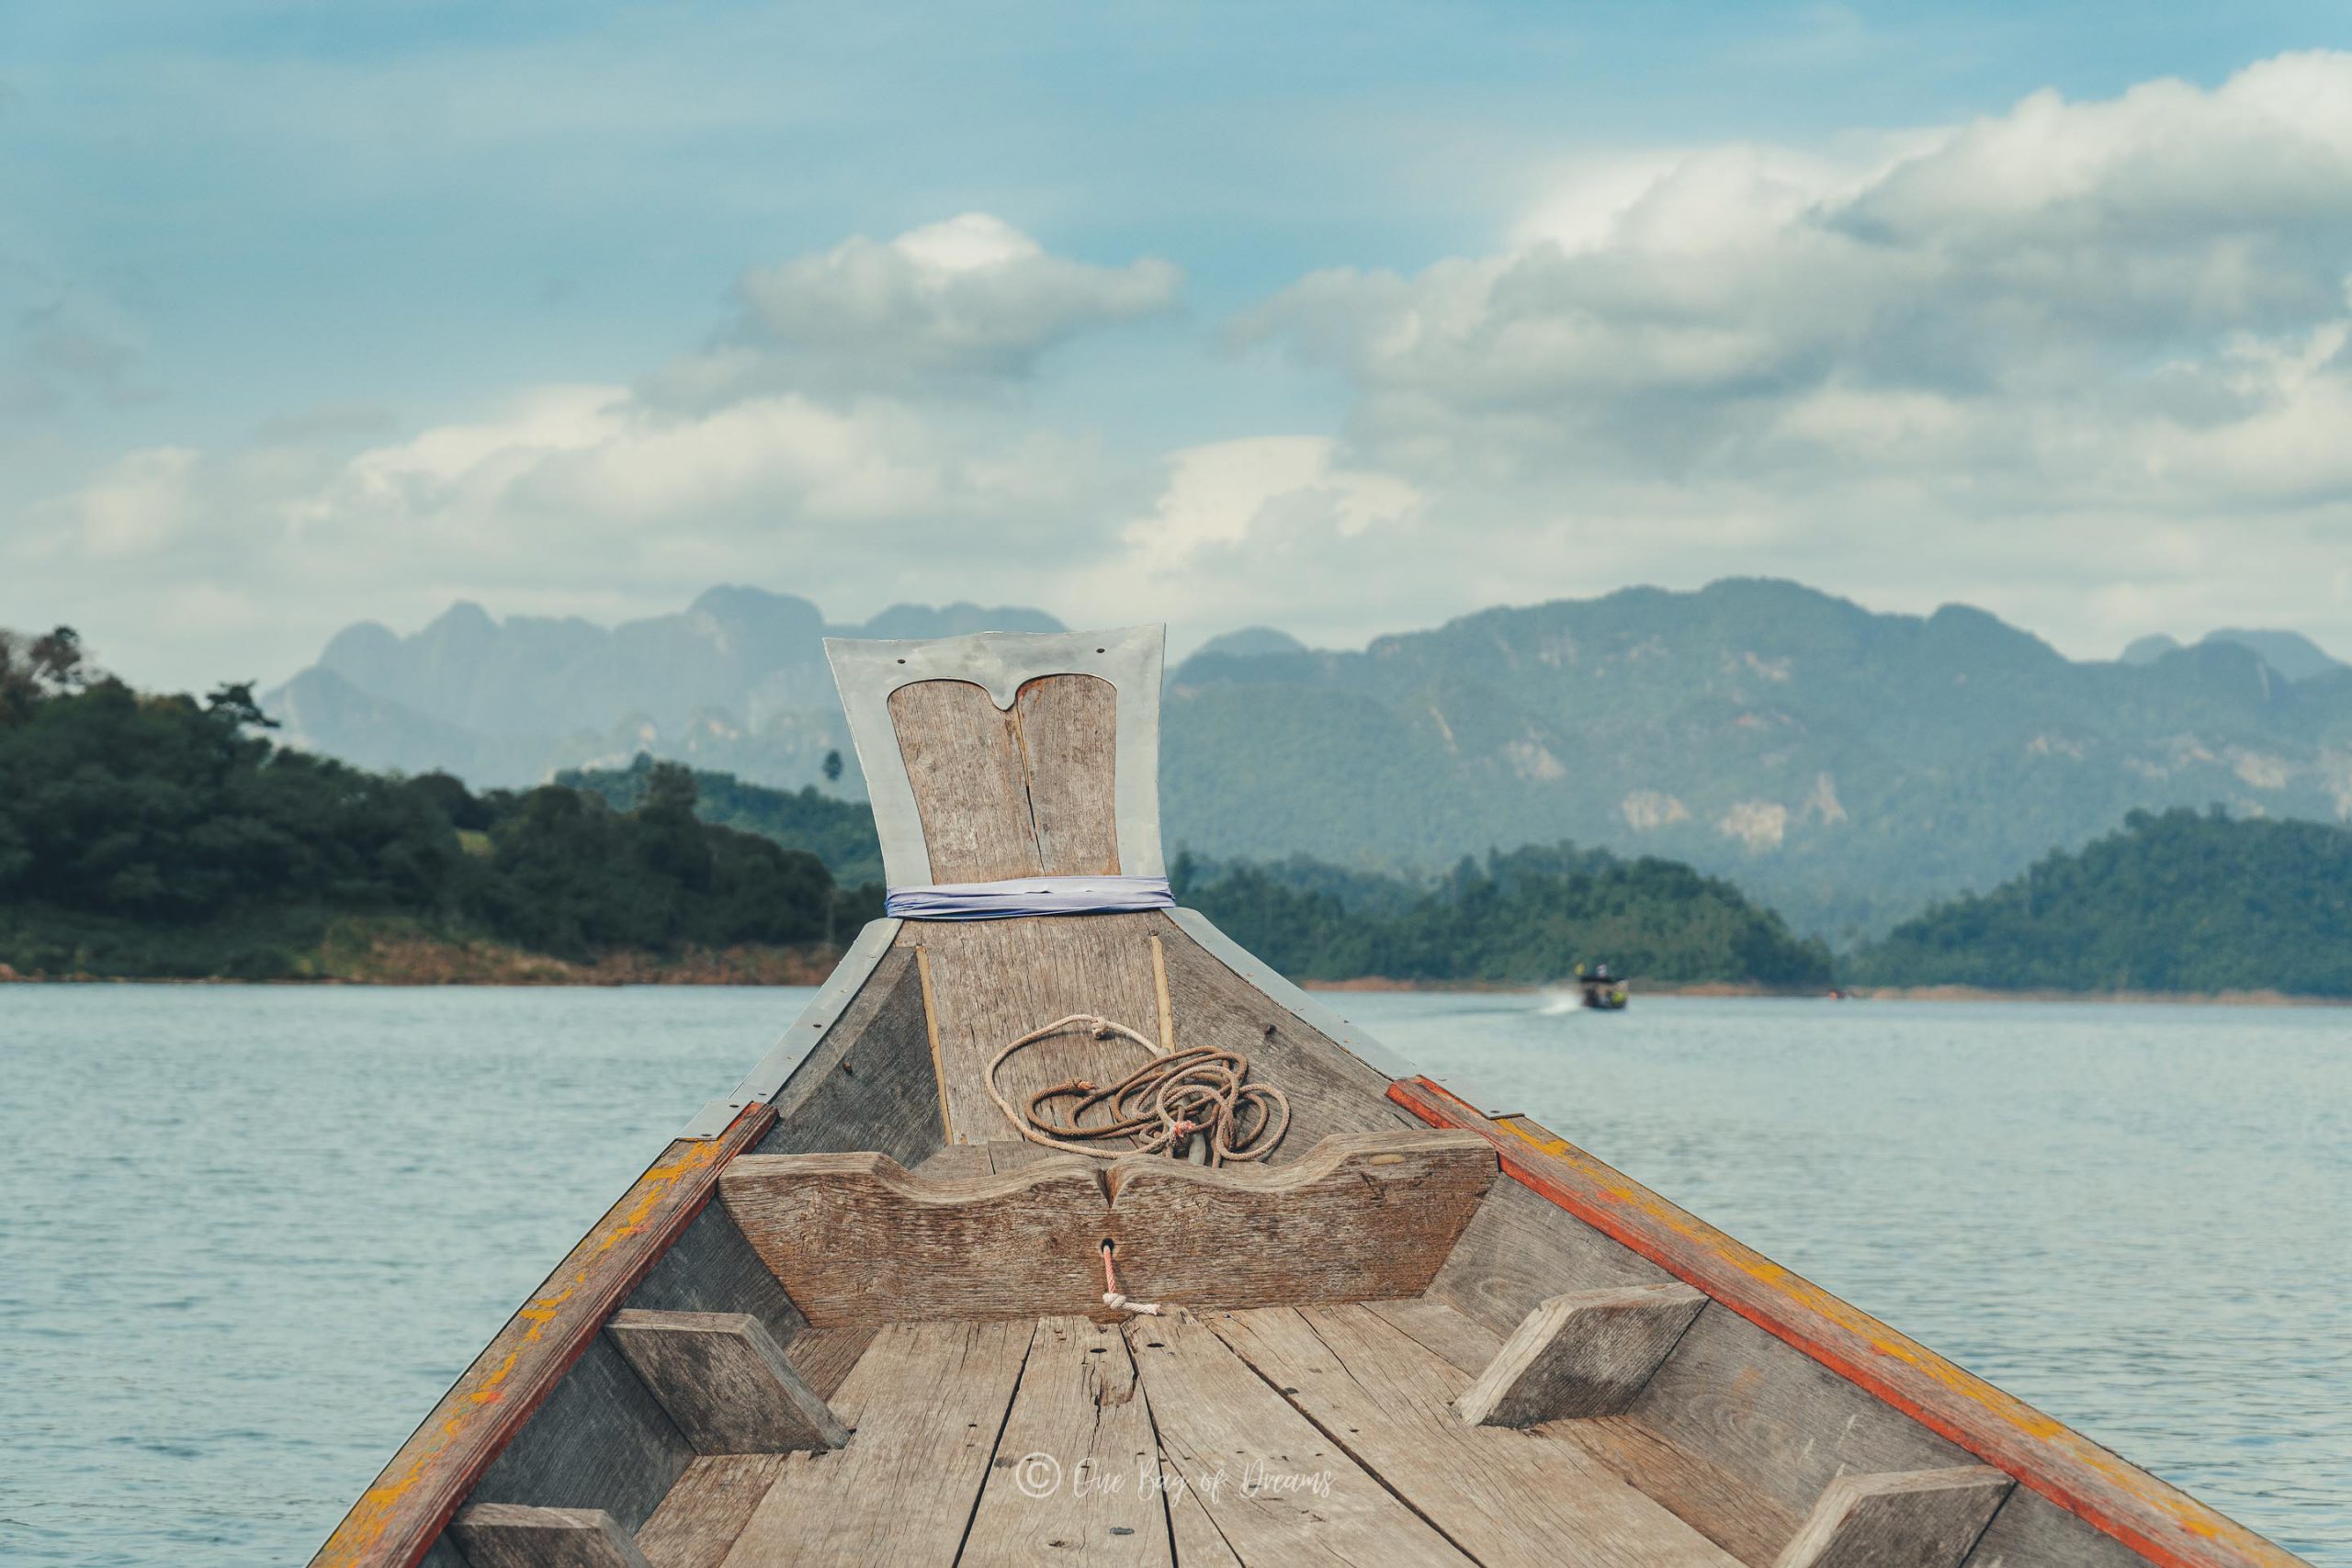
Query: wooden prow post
(1004, 756)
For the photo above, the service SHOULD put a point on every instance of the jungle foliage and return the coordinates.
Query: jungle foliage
(1526, 916)
(166, 835)
(2174, 901)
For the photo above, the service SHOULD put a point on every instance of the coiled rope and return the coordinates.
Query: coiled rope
(1163, 1105)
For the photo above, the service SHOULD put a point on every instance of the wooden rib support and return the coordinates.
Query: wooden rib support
(1920, 1518)
(1586, 1353)
(725, 1381)
(2161, 1523)
(509, 1535)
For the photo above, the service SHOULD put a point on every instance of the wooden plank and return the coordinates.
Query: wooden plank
(1745, 1521)
(1521, 1249)
(1364, 1215)
(993, 981)
(854, 1238)
(1750, 1524)
(707, 1509)
(601, 1440)
(1463, 1342)
(713, 1268)
(1586, 1353)
(2162, 1524)
(824, 1357)
(1921, 1518)
(857, 1239)
(1507, 1499)
(868, 1084)
(963, 759)
(1083, 1481)
(508, 1535)
(2031, 1531)
(1275, 1489)
(1068, 730)
(951, 1162)
(725, 1381)
(398, 1517)
(925, 1406)
(1198, 1542)
(1764, 1412)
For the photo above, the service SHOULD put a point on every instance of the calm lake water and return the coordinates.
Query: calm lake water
(252, 1233)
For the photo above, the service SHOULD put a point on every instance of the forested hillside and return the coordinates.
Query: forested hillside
(839, 832)
(165, 835)
(1527, 917)
(2178, 901)
(1843, 766)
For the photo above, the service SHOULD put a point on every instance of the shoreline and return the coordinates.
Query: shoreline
(418, 963)
(1735, 988)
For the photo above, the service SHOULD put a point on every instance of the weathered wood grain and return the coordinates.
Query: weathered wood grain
(1521, 1249)
(713, 1268)
(1198, 1541)
(1738, 1398)
(1077, 1472)
(1924, 1518)
(706, 1509)
(854, 1238)
(868, 1084)
(1465, 1344)
(508, 1535)
(993, 981)
(953, 1162)
(1750, 1524)
(724, 1383)
(601, 1440)
(2162, 1524)
(925, 1405)
(1508, 1499)
(396, 1518)
(824, 1357)
(2031, 1531)
(1364, 1215)
(1067, 727)
(1330, 1089)
(963, 759)
(1276, 1490)
(1586, 1353)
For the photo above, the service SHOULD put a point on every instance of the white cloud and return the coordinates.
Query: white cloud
(2007, 359)
(971, 300)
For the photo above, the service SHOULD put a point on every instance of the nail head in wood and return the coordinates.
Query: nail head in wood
(512, 1535)
(1583, 1354)
(1918, 1518)
(725, 1381)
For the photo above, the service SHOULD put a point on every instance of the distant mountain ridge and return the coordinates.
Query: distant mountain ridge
(1844, 766)
(2292, 654)
(735, 682)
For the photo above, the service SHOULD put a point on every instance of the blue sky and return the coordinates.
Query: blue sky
(1346, 317)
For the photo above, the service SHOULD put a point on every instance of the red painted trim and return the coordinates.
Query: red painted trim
(2160, 1522)
(397, 1520)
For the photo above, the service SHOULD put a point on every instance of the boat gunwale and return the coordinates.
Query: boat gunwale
(386, 1529)
(2139, 1510)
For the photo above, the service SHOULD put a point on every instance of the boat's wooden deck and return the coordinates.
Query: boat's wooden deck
(1272, 1436)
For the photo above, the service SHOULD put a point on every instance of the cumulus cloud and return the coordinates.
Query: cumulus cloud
(2048, 334)
(972, 299)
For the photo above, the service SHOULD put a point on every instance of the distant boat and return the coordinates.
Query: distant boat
(1603, 992)
(866, 1307)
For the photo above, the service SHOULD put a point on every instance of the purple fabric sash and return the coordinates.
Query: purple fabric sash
(1029, 895)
